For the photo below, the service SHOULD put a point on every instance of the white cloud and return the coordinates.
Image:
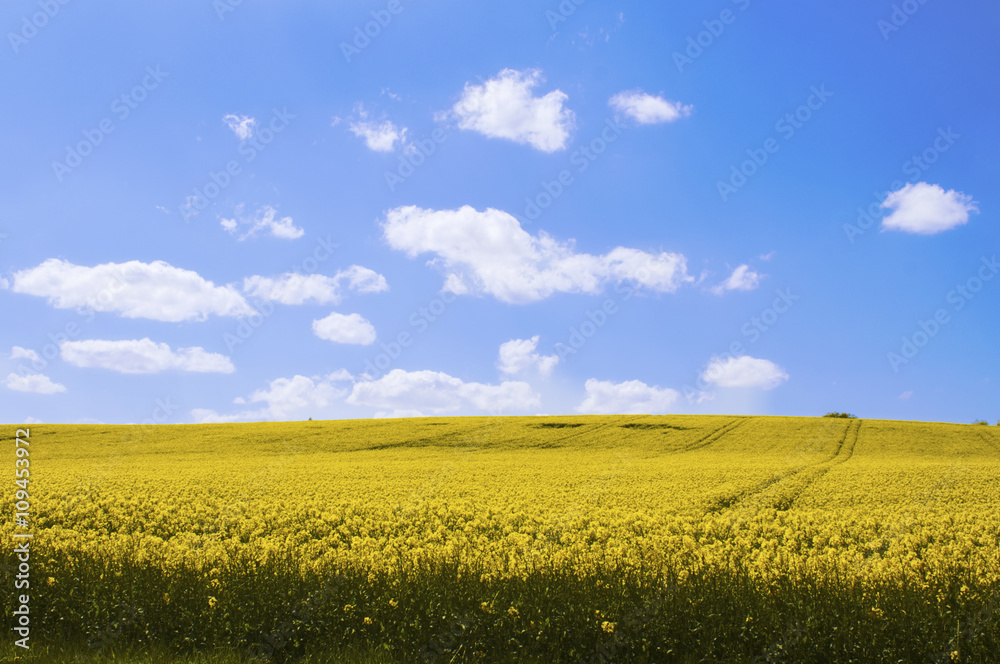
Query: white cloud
(294, 288)
(632, 397)
(437, 393)
(742, 278)
(379, 136)
(517, 355)
(744, 371)
(37, 383)
(283, 398)
(488, 252)
(264, 220)
(18, 353)
(243, 126)
(383, 414)
(31, 420)
(209, 416)
(4, 284)
(644, 108)
(363, 280)
(286, 395)
(340, 375)
(906, 395)
(503, 107)
(142, 356)
(345, 329)
(926, 209)
(157, 290)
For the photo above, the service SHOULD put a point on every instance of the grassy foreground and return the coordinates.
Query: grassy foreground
(546, 539)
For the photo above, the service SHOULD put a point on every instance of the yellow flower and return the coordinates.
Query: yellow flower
(212, 602)
(348, 608)
(166, 598)
(512, 612)
(608, 627)
(393, 603)
(368, 621)
(51, 581)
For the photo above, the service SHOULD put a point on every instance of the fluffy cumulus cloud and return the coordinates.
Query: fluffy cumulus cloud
(504, 107)
(438, 393)
(345, 329)
(488, 252)
(284, 398)
(926, 209)
(742, 278)
(295, 288)
(744, 371)
(157, 290)
(142, 356)
(519, 355)
(632, 397)
(265, 220)
(243, 126)
(645, 108)
(18, 353)
(36, 383)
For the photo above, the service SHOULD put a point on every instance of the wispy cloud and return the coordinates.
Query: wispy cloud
(243, 126)
(265, 220)
(645, 108)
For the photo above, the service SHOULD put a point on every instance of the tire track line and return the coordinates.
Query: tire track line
(714, 436)
(991, 443)
(818, 468)
(584, 431)
(821, 470)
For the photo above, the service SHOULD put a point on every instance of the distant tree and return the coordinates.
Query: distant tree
(983, 422)
(848, 416)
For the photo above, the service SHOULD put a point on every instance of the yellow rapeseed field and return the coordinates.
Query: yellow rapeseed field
(597, 538)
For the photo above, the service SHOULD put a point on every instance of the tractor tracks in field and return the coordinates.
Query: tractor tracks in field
(714, 436)
(584, 430)
(466, 438)
(994, 443)
(796, 481)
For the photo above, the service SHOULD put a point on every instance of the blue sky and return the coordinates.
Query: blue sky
(267, 211)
